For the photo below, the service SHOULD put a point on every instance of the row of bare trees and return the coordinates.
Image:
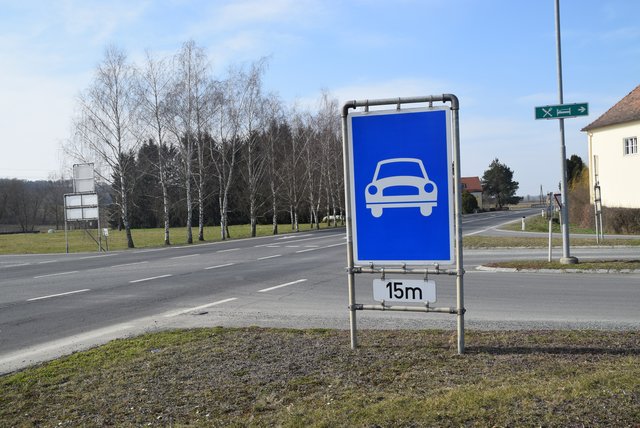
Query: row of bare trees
(219, 147)
(26, 204)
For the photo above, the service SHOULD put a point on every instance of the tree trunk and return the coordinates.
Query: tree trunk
(125, 211)
(274, 209)
(189, 212)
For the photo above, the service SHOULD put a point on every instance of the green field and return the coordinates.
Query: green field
(299, 378)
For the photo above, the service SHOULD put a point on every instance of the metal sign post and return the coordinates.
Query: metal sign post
(403, 202)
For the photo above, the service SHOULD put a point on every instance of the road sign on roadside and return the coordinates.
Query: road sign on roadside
(401, 186)
(561, 111)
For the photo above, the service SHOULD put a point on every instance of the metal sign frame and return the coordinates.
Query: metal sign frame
(82, 205)
(352, 269)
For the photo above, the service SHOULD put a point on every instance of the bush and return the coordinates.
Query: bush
(621, 220)
(581, 211)
(469, 203)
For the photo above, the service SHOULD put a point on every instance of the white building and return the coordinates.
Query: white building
(614, 160)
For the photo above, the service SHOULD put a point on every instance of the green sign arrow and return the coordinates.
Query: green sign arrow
(562, 111)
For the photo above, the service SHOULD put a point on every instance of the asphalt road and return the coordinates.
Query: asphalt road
(55, 304)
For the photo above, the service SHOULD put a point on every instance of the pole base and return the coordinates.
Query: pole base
(569, 260)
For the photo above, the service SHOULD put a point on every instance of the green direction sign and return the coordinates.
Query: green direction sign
(561, 111)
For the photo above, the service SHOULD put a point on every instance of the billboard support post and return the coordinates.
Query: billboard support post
(377, 203)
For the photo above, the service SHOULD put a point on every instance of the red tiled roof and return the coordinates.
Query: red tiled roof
(626, 110)
(471, 184)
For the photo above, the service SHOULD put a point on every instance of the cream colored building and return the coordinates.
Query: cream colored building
(614, 158)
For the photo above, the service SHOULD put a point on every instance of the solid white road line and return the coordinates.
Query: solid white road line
(269, 257)
(58, 295)
(219, 266)
(149, 279)
(55, 274)
(197, 308)
(264, 290)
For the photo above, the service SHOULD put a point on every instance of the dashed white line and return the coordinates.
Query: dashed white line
(219, 266)
(96, 257)
(149, 279)
(47, 261)
(58, 295)
(228, 250)
(319, 248)
(130, 264)
(269, 257)
(10, 266)
(184, 257)
(264, 290)
(197, 308)
(55, 274)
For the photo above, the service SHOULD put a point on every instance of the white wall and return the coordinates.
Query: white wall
(619, 175)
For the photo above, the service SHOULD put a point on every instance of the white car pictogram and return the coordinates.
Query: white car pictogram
(401, 183)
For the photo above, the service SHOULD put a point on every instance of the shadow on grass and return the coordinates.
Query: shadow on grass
(551, 350)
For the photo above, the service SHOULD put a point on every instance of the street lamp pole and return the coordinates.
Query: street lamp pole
(564, 210)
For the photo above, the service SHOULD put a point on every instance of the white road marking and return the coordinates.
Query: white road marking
(47, 261)
(149, 279)
(197, 308)
(301, 240)
(55, 274)
(264, 290)
(96, 257)
(219, 266)
(270, 257)
(129, 264)
(58, 295)
(228, 250)
(320, 248)
(10, 266)
(183, 257)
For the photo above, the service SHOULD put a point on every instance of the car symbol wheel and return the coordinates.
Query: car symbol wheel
(376, 211)
(426, 211)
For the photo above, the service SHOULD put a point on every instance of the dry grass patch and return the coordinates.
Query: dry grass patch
(268, 377)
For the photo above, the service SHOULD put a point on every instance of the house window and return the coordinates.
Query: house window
(630, 145)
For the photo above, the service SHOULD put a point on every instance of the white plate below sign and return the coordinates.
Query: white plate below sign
(404, 290)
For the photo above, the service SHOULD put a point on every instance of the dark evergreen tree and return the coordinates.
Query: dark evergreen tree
(498, 183)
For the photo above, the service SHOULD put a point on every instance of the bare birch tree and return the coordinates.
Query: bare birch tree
(295, 179)
(275, 134)
(107, 121)
(253, 121)
(184, 123)
(153, 92)
(235, 96)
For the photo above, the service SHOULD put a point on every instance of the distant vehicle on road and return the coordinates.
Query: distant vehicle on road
(401, 183)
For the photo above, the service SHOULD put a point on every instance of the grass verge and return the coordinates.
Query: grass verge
(268, 377)
(480, 241)
(537, 223)
(586, 265)
(80, 241)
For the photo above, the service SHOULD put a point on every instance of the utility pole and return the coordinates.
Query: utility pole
(564, 209)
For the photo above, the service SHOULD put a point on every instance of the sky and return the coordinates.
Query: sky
(497, 56)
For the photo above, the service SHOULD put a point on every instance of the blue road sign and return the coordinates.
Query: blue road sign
(401, 186)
